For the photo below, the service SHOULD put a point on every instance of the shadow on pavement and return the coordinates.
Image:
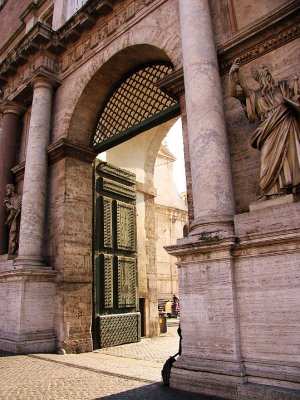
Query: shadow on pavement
(156, 392)
(7, 354)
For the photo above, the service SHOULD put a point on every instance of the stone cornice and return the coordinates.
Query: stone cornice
(172, 84)
(200, 245)
(106, 30)
(266, 34)
(19, 170)
(12, 107)
(30, 44)
(66, 148)
(42, 43)
(41, 67)
(34, 5)
(272, 243)
(56, 151)
(42, 38)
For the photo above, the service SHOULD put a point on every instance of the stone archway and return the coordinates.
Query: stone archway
(73, 256)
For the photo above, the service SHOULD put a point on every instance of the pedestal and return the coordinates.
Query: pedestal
(27, 309)
(239, 303)
(211, 362)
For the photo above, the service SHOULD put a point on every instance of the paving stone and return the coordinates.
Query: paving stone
(130, 371)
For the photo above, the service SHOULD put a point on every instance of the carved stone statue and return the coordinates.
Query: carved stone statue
(278, 135)
(13, 203)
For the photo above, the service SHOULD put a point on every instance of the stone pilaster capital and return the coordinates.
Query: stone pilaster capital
(11, 107)
(45, 79)
(67, 148)
(42, 82)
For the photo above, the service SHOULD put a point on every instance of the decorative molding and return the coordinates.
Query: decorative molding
(43, 38)
(116, 172)
(66, 148)
(172, 84)
(42, 66)
(40, 47)
(18, 171)
(108, 280)
(119, 188)
(29, 44)
(126, 226)
(126, 282)
(97, 38)
(265, 35)
(107, 225)
(12, 107)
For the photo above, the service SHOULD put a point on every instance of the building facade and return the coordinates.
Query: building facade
(80, 77)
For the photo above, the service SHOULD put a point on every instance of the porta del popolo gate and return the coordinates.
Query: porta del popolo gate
(78, 78)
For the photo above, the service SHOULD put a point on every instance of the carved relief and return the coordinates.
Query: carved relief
(13, 203)
(278, 136)
(41, 64)
(108, 281)
(126, 221)
(107, 220)
(126, 282)
(96, 37)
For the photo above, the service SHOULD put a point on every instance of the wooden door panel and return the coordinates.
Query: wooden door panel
(115, 261)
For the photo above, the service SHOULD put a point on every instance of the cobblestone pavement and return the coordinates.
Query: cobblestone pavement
(125, 372)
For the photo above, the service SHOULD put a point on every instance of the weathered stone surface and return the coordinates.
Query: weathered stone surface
(239, 296)
(26, 305)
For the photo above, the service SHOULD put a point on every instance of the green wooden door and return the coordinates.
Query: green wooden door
(116, 317)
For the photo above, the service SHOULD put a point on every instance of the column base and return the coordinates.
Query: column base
(228, 381)
(219, 384)
(216, 228)
(29, 262)
(228, 386)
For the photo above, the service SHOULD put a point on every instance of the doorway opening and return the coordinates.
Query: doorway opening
(126, 215)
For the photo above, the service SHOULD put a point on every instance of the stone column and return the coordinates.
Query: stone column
(210, 362)
(187, 159)
(8, 147)
(210, 165)
(35, 178)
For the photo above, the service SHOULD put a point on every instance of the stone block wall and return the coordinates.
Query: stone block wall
(10, 17)
(70, 250)
(268, 286)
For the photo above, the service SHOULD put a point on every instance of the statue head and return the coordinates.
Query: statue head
(261, 74)
(10, 189)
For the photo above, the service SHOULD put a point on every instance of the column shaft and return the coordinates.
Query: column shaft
(210, 164)
(187, 159)
(8, 149)
(35, 178)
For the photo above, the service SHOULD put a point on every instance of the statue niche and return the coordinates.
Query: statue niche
(12, 203)
(278, 135)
